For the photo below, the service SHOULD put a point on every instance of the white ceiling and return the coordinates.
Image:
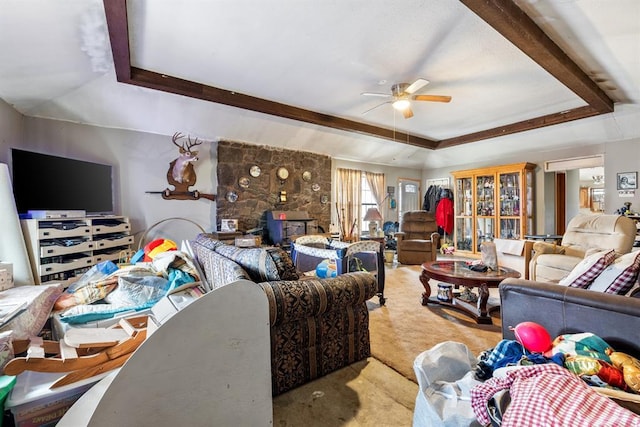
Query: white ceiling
(55, 62)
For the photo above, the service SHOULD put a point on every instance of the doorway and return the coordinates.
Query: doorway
(409, 196)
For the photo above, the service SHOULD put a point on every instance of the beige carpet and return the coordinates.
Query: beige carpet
(403, 328)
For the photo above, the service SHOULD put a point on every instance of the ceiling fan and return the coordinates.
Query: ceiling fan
(403, 93)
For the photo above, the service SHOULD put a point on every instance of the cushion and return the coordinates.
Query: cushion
(255, 261)
(619, 276)
(588, 269)
(284, 263)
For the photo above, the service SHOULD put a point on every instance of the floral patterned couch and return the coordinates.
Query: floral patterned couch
(317, 325)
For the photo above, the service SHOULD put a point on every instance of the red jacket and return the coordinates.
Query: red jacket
(444, 215)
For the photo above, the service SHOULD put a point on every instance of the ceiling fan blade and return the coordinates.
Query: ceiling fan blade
(416, 86)
(373, 108)
(386, 95)
(433, 98)
(407, 113)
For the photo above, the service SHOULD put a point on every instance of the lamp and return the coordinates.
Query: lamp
(373, 216)
(401, 104)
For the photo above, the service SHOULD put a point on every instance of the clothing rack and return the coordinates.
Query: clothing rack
(438, 182)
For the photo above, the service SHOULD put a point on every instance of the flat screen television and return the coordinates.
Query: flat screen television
(46, 182)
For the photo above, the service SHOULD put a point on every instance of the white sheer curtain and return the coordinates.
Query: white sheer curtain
(349, 189)
(376, 183)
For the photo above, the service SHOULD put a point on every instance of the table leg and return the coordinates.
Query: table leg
(424, 278)
(483, 297)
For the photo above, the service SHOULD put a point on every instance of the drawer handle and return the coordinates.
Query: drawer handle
(49, 251)
(48, 269)
(89, 261)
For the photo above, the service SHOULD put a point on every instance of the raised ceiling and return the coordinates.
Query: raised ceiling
(309, 61)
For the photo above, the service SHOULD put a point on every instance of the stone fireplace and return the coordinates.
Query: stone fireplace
(245, 194)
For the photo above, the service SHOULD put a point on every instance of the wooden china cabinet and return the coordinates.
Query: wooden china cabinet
(493, 202)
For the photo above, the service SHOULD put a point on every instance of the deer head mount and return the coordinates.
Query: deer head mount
(181, 172)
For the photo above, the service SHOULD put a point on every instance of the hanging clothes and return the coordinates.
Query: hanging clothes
(444, 215)
(431, 198)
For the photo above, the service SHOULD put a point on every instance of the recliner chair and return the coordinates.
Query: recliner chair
(585, 234)
(418, 239)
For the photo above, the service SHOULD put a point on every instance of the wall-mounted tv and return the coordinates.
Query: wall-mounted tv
(46, 182)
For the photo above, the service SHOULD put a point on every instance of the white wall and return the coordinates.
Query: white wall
(619, 157)
(140, 162)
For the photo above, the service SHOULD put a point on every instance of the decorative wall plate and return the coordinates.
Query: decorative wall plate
(244, 182)
(282, 173)
(315, 187)
(255, 171)
(324, 199)
(232, 196)
(306, 175)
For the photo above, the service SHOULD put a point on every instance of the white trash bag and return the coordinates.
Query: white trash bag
(445, 376)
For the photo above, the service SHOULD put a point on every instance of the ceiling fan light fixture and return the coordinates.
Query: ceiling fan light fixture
(401, 104)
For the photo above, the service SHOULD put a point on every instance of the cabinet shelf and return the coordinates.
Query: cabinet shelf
(60, 250)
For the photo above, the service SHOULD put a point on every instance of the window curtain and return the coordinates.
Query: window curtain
(376, 183)
(348, 201)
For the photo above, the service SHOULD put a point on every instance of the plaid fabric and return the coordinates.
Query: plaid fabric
(601, 262)
(626, 279)
(551, 396)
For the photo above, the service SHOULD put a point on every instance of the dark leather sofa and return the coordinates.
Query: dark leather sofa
(564, 310)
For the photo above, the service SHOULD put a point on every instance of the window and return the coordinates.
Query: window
(367, 199)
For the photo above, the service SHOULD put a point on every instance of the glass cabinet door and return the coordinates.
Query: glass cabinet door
(464, 197)
(510, 205)
(485, 195)
(510, 194)
(464, 234)
(484, 231)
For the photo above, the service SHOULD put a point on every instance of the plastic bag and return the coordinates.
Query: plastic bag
(97, 272)
(489, 255)
(445, 376)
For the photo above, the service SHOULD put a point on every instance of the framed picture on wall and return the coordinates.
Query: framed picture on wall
(627, 180)
(228, 225)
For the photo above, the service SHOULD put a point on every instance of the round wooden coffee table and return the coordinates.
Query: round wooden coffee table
(457, 273)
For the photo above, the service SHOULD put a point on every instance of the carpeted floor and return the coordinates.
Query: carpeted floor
(403, 328)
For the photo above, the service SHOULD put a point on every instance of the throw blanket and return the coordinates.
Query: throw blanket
(549, 395)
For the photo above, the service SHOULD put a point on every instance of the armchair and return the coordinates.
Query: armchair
(585, 234)
(418, 239)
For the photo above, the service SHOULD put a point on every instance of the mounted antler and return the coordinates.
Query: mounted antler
(190, 144)
(181, 173)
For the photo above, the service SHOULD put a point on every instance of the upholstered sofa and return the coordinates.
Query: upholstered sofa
(418, 238)
(316, 325)
(585, 233)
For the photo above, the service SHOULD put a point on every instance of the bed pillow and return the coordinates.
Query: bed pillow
(588, 269)
(619, 276)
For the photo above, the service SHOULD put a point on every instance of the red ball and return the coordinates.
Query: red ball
(533, 337)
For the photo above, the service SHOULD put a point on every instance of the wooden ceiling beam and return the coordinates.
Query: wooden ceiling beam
(518, 28)
(165, 83)
(529, 124)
